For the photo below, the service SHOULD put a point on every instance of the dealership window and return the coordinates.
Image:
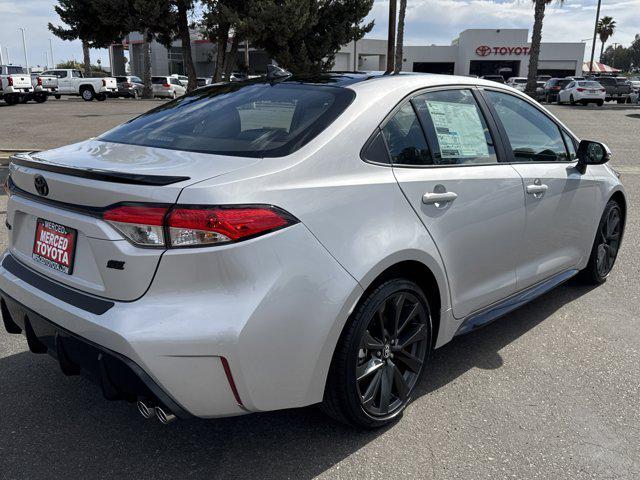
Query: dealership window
(455, 127)
(533, 136)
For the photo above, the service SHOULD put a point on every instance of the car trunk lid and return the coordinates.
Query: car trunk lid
(84, 180)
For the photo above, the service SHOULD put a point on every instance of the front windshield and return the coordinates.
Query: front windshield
(251, 119)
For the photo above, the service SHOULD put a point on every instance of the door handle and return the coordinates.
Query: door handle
(537, 189)
(431, 198)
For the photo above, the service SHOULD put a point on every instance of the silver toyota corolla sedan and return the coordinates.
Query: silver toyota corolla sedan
(285, 241)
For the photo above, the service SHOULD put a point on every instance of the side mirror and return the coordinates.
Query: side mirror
(592, 153)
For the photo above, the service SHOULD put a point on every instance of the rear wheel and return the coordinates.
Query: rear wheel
(57, 97)
(380, 357)
(101, 97)
(600, 103)
(87, 94)
(572, 101)
(12, 99)
(605, 246)
(40, 98)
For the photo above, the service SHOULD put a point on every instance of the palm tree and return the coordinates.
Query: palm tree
(606, 29)
(536, 38)
(400, 36)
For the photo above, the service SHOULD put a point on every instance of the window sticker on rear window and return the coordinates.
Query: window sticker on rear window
(459, 129)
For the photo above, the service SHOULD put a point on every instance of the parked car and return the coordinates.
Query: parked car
(167, 87)
(635, 84)
(15, 82)
(73, 82)
(129, 87)
(617, 88)
(183, 79)
(543, 78)
(43, 86)
(494, 78)
(201, 82)
(287, 241)
(519, 83)
(553, 87)
(584, 92)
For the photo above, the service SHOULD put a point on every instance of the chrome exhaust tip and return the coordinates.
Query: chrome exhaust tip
(146, 409)
(164, 416)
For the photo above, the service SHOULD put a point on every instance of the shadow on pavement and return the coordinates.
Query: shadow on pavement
(53, 426)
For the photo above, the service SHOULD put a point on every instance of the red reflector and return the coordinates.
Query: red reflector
(140, 215)
(235, 223)
(232, 383)
(39, 81)
(10, 81)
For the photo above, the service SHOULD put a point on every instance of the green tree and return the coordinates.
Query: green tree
(605, 29)
(83, 22)
(539, 7)
(303, 36)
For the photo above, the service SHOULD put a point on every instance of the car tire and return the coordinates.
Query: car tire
(136, 95)
(87, 94)
(572, 100)
(620, 101)
(389, 363)
(101, 97)
(605, 245)
(600, 103)
(57, 97)
(40, 98)
(174, 95)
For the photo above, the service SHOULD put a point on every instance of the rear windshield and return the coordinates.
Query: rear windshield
(13, 70)
(564, 83)
(159, 80)
(240, 119)
(590, 84)
(519, 80)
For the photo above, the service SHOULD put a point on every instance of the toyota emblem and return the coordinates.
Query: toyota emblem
(483, 50)
(41, 185)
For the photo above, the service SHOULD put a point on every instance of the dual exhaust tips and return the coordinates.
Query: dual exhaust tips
(148, 410)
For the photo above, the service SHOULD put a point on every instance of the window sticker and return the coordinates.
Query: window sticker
(459, 130)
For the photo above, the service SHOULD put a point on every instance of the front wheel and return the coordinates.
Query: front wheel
(40, 98)
(87, 94)
(380, 357)
(605, 246)
(57, 97)
(101, 97)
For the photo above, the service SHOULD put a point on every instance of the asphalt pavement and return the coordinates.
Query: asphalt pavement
(550, 391)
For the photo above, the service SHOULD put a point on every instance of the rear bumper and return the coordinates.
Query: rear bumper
(119, 377)
(222, 330)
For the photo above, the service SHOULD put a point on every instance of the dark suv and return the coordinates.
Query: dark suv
(553, 87)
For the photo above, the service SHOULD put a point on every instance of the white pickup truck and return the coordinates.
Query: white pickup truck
(43, 86)
(15, 82)
(72, 82)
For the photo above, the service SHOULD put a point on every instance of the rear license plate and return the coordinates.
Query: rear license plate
(54, 246)
(592, 91)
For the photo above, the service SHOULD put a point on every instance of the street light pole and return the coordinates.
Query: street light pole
(24, 47)
(1, 56)
(53, 62)
(595, 35)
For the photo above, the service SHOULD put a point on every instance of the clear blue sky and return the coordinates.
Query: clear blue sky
(428, 22)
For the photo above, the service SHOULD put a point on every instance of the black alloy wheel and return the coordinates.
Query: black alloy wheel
(381, 356)
(606, 244)
(391, 355)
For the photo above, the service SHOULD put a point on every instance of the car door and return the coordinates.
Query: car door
(558, 198)
(565, 93)
(64, 81)
(471, 204)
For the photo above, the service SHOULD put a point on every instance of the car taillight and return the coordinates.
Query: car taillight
(10, 81)
(166, 85)
(580, 89)
(39, 82)
(190, 227)
(142, 225)
(603, 89)
(186, 226)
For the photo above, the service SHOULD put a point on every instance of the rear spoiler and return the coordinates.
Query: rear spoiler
(26, 160)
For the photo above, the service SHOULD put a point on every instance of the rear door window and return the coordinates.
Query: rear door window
(456, 128)
(241, 119)
(405, 139)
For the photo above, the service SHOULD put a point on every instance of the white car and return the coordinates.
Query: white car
(584, 92)
(167, 87)
(183, 79)
(73, 82)
(519, 83)
(15, 83)
(284, 242)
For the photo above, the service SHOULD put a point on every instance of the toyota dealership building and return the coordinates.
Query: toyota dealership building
(475, 52)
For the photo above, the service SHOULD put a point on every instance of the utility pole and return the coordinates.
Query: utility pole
(6, 54)
(391, 41)
(53, 62)
(24, 47)
(595, 35)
